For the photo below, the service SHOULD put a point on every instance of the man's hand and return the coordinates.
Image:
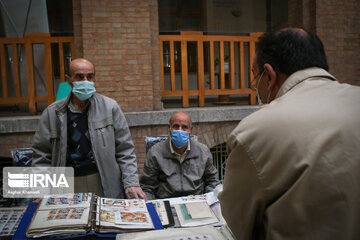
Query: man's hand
(135, 192)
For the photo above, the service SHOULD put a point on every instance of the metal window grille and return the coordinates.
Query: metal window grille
(220, 155)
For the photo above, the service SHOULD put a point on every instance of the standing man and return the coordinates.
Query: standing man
(178, 166)
(293, 166)
(88, 132)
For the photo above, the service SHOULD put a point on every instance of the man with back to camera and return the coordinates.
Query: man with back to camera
(293, 166)
(88, 132)
(178, 166)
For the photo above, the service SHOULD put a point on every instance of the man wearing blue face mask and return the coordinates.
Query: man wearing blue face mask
(88, 132)
(178, 166)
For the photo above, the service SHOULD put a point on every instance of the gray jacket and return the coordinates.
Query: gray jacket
(110, 138)
(164, 176)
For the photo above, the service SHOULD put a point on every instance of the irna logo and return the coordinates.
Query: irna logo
(33, 180)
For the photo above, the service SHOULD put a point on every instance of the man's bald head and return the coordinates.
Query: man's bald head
(180, 121)
(80, 63)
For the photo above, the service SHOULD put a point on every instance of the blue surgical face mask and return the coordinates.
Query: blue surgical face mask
(83, 90)
(179, 138)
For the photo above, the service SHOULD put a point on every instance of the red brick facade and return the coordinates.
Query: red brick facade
(337, 24)
(121, 38)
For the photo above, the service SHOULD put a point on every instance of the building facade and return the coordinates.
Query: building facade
(121, 38)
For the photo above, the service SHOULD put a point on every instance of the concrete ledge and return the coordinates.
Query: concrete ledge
(198, 115)
(18, 124)
(136, 119)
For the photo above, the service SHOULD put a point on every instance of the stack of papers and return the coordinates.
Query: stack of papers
(195, 213)
(191, 233)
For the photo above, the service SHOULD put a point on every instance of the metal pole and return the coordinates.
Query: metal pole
(10, 18)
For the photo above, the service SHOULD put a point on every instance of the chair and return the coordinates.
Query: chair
(22, 156)
(63, 91)
(151, 140)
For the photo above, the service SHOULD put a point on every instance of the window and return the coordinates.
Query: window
(219, 155)
(230, 17)
(60, 17)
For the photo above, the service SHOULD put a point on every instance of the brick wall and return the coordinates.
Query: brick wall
(77, 23)
(338, 27)
(121, 38)
(295, 13)
(11, 141)
(155, 54)
(309, 15)
(337, 24)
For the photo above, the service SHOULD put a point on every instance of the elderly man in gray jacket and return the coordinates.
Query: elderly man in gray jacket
(178, 166)
(88, 132)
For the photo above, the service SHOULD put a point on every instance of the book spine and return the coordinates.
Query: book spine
(93, 213)
(169, 213)
(154, 216)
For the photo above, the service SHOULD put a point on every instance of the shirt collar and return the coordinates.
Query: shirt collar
(299, 76)
(185, 152)
(74, 109)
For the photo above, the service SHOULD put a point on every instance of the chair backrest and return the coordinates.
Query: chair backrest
(151, 140)
(63, 91)
(22, 156)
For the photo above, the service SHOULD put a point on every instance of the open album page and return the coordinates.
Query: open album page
(9, 220)
(122, 214)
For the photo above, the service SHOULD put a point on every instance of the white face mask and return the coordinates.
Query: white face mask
(83, 90)
(258, 95)
(257, 90)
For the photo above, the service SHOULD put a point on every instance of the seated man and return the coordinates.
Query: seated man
(88, 132)
(178, 166)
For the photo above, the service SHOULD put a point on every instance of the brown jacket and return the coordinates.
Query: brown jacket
(294, 166)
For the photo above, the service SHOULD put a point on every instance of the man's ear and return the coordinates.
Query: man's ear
(272, 76)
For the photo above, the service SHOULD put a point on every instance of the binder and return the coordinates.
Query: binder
(34, 206)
